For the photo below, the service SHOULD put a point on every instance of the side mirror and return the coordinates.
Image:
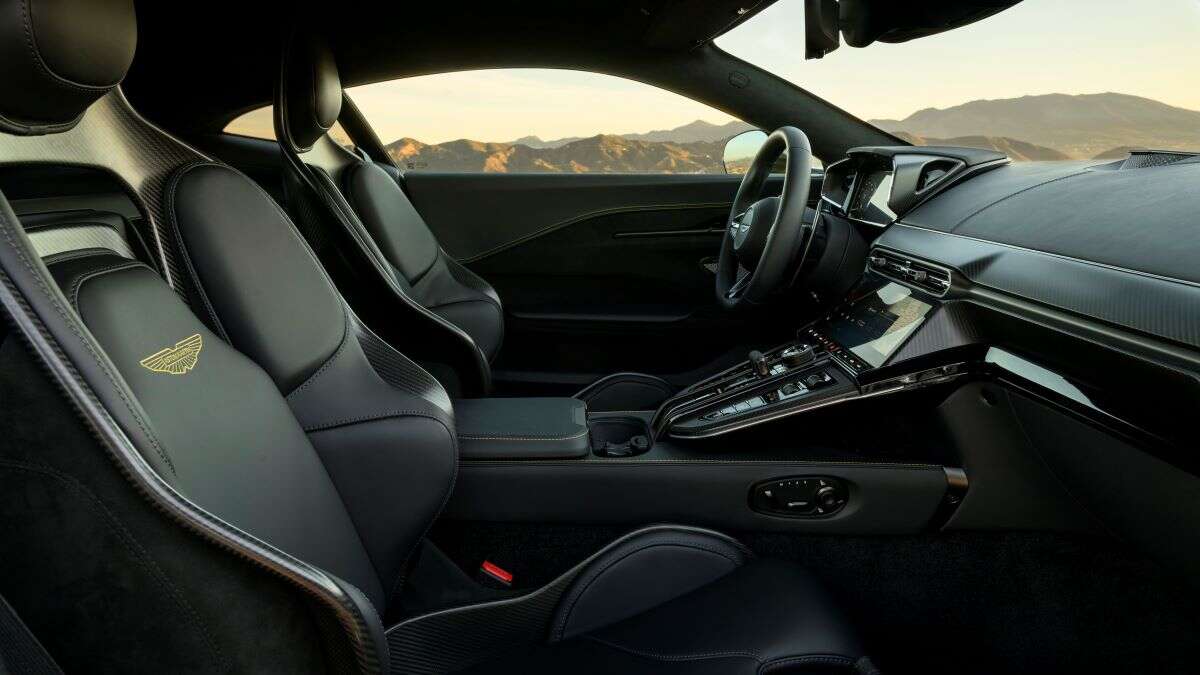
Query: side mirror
(741, 149)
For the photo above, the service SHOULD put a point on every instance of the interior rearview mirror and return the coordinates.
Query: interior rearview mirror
(821, 29)
(741, 149)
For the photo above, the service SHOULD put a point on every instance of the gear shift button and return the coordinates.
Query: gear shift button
(758, 362)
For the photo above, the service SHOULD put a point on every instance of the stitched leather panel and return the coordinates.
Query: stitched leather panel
(229, 441)
(634, 577)
(56, 58)
(522, 428)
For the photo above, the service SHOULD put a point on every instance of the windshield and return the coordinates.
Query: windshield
(1043, 80)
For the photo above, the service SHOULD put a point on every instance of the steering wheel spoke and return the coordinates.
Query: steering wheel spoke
(743, 279)
(764, 233)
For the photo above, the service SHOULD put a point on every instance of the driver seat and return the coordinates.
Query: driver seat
(460, 314)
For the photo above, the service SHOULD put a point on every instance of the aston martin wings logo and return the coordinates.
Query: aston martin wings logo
(176, 360)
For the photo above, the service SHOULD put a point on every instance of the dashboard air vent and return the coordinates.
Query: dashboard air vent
(933, 172)
(929, 278)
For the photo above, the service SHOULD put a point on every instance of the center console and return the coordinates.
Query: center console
(735, 451)
(838, 358)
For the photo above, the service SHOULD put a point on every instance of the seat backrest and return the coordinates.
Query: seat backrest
(402, 282)
(239, 395)
(382, 426)
(218, 429)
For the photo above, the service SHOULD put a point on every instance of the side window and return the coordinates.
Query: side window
(543, 121)
(260, 124)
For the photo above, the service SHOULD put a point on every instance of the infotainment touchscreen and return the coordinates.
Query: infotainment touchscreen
(878, 323)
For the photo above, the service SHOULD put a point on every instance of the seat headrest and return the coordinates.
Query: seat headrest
(57, 57)
(310, 93)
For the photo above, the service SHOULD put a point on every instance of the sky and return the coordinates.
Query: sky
(1147, 48)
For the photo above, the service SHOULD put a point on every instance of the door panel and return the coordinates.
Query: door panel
(598, 273)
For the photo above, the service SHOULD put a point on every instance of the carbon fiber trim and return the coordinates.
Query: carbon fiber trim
(53, 240)
(397, 370)
(113, 136)
(952, 325)
(1165, 308)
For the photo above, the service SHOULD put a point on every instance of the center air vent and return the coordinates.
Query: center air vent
(929, 278)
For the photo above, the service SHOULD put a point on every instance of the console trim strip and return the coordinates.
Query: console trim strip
(901, 383)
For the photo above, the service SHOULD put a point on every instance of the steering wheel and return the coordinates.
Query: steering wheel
(764, 236)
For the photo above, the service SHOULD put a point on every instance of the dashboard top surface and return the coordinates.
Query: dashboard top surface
(1142, 219)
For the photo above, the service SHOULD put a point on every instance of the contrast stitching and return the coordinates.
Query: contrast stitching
(677, 657)
(329, 361)
(373, 417)
(73, 294)
(170, 191)
(144, 559)
(826, 659)
(503, 437)
(7, 229)
(565, 577)
(599, 572)
(401, 572)
(77, 254)
(27, 25)
(731, 462)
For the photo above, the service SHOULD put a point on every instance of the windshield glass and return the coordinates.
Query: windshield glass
(1043, 80)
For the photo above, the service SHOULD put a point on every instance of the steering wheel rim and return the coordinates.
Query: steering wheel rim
(782, 241)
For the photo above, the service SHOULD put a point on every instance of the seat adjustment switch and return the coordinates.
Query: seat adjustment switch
(800, 496)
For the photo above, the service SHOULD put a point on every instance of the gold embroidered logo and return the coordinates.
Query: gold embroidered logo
(176, 360)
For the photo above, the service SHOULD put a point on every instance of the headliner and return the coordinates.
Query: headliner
(200, 64)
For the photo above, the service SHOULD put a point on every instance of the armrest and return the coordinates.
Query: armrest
(521, 428)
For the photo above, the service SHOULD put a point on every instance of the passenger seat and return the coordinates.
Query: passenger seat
(363, 206)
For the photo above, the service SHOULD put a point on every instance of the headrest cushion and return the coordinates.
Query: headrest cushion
(311, 92)
(57, 57)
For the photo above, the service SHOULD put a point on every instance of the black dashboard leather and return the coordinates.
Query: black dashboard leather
(521, 428)
(57, 57)
(1137, 219)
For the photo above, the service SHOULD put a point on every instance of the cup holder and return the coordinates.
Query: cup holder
(619, 436)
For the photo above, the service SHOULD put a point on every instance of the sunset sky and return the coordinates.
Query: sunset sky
(1147, 48)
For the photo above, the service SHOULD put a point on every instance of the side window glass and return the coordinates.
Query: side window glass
(543, 121)
(260, 124)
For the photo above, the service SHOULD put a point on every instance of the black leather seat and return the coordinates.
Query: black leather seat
(365, 198)
(249, 404)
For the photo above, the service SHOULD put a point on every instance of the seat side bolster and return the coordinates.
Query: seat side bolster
(641, 573)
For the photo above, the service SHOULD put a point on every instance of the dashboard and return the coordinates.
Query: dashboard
(1047, 312)
(1034, 272)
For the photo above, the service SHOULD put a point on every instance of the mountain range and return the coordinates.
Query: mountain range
(692, 132)
(601, 153)
(1044, 127)
(1080, 126)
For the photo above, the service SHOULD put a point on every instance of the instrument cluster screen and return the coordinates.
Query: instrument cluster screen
(875, 326)
(870, 200)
